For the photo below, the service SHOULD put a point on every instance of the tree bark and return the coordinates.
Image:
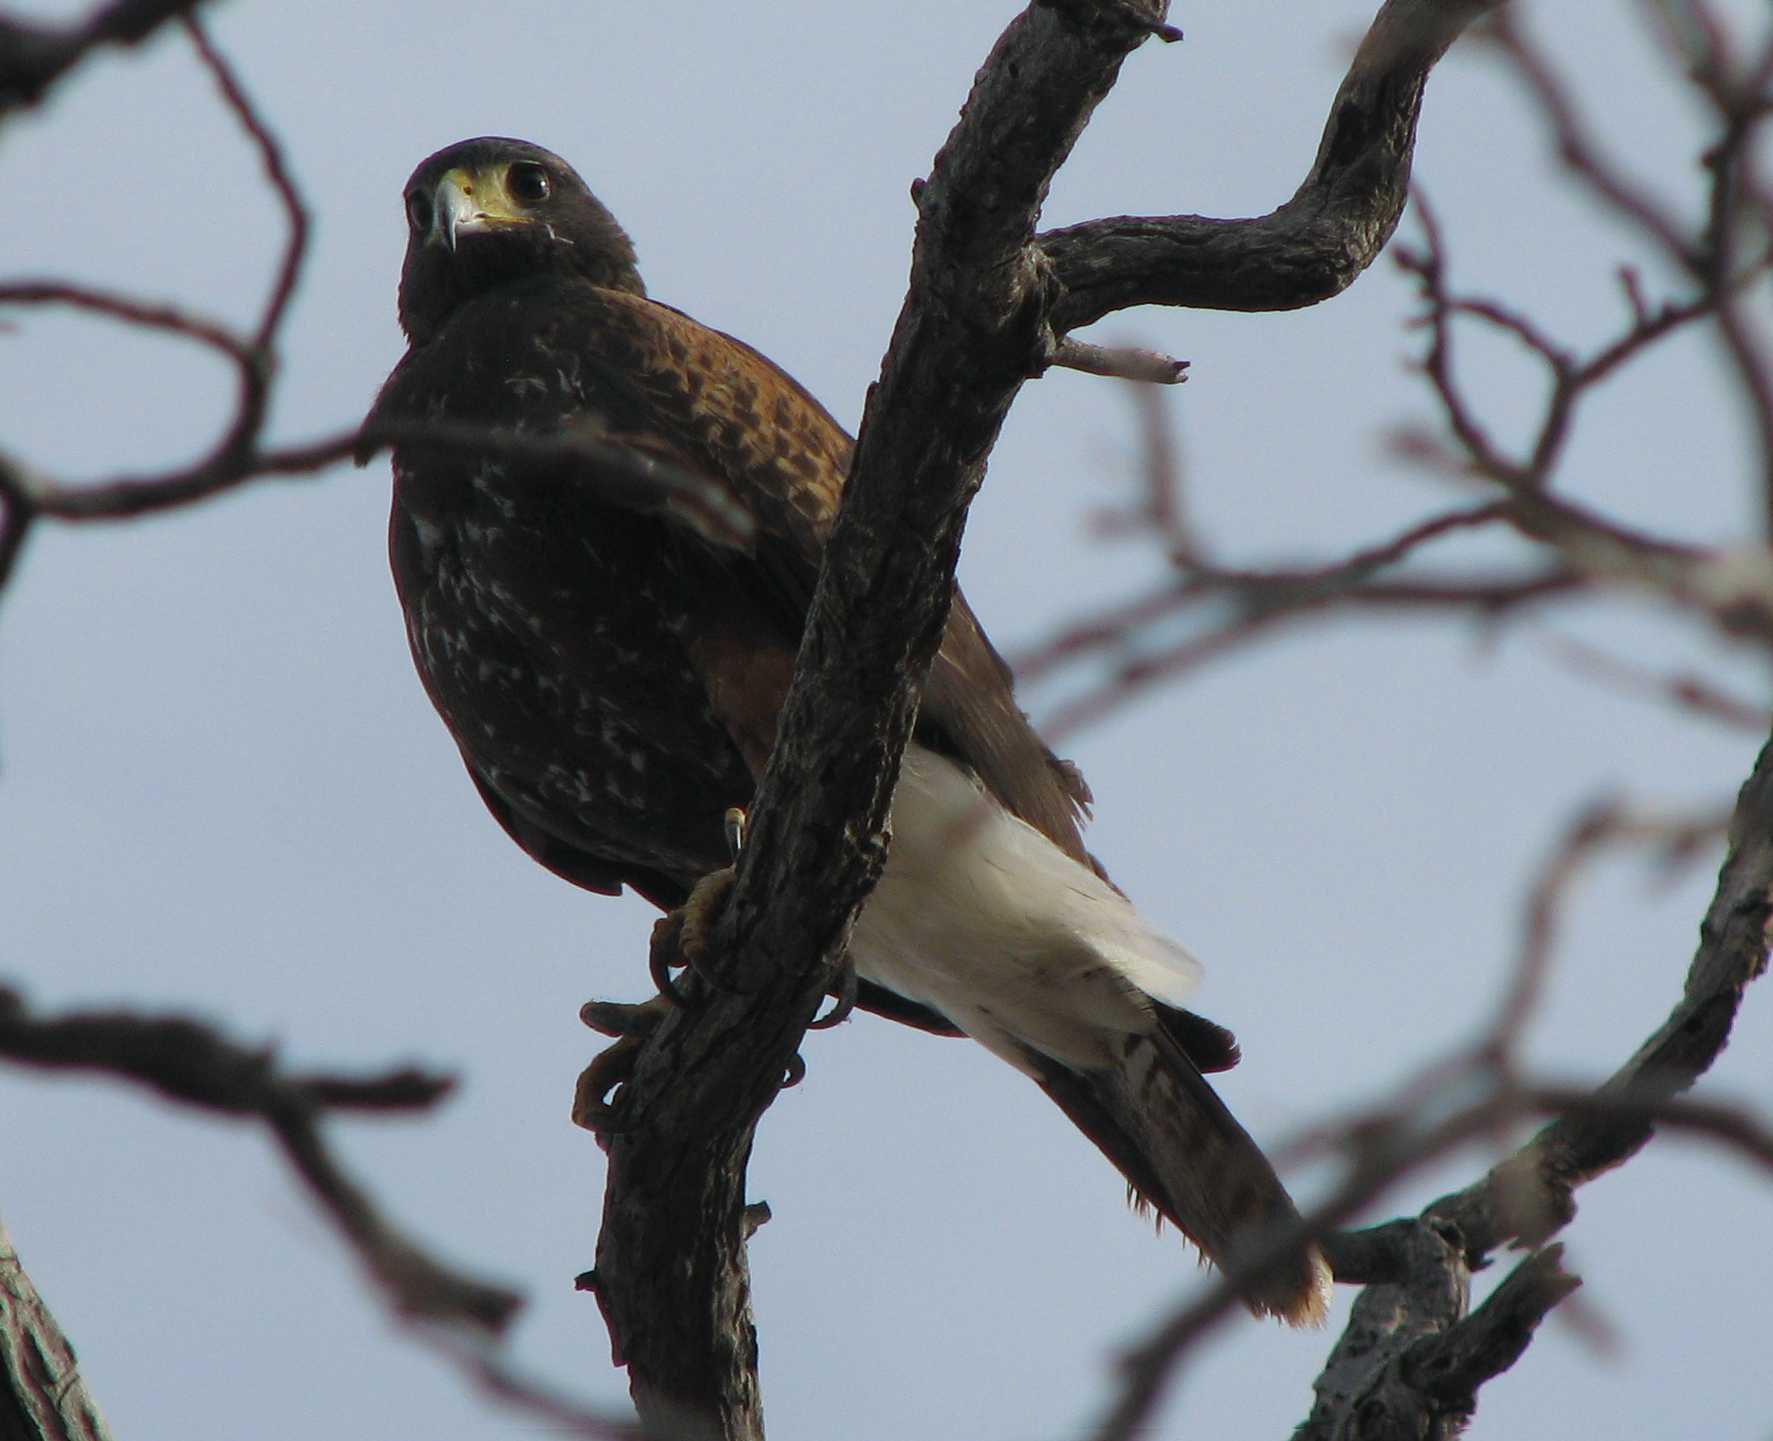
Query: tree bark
(986, 307)
(43, 1397)
(1406, 1359)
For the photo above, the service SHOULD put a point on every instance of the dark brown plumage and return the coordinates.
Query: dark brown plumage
(612, 672)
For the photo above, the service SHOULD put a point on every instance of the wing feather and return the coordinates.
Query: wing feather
(712, 403)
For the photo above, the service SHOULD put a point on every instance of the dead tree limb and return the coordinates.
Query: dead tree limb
(43, 1397)
(34, 57)
(1312, 247)
(1531, 1196)
(197, 1065)
(987, 305)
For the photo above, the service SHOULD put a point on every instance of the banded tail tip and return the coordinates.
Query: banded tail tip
(1296, 1291)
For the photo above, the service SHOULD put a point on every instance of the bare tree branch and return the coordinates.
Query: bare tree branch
(1438, 1356)
(295, 212)
(1121, 362)
(1419, 1268)
(1417, 1271)
(984, 305)
(1239, 606)
(1530, 1196)
(1311, 248)
(990, 305)
(1732, 592)
(1688, 691)
(195, 1064)
(969, 334)
(34, 57)
(43, 1396)
(1604, 824)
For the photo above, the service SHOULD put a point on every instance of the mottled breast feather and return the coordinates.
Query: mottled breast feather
(554, 354)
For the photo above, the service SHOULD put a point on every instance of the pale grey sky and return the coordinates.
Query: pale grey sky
(224, 792)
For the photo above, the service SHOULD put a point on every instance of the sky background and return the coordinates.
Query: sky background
(223, 791)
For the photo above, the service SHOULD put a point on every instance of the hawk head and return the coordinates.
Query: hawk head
(486, 212)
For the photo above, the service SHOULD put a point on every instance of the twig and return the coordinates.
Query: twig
(1123, 362)
(295, 213)
(1246, 604)
(632, 479)
(34, 57)
(1598, 823)
(1384, 1149)
(492, 1369)
(1710, 253)
(196, 1065)
(230, 459)
(16, 517)
(187, 1061)
(129, 309)
(1690, 692)
(1529, 1196)
(1576, 148)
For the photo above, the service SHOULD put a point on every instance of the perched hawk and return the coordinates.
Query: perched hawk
(612, 672)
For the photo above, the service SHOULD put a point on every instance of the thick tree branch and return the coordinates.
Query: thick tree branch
(1437, 1357)
(984, 304)
(988, 307)
(1384, 1378)
(1530, 1196)
(43, 1397)
(1312, 247)
(671, 1270)
(1425, 1296)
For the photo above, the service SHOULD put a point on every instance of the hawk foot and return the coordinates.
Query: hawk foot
(682, 938)
(845, 992)
(700, 914)
(631, 1025)
(663, 951)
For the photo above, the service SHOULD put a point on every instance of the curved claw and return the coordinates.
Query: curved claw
(659, 968)
(623, 1018)
(846, 998)
(608, 1070)
(611, 1067)
(796, 1072)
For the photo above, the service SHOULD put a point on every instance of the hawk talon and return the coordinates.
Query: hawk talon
(698, 916)
(846, 998)
(632, 1025)
(622, 1018)
(667, 940)
(796, 1072)
(609, 1070)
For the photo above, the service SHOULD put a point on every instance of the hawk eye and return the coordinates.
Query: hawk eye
(418, 211)
(529, 183)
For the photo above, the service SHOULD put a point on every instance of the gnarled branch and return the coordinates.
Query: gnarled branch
(985, 303)
(43, 1396)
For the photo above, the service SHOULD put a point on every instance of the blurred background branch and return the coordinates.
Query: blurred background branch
(1411, 1349)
